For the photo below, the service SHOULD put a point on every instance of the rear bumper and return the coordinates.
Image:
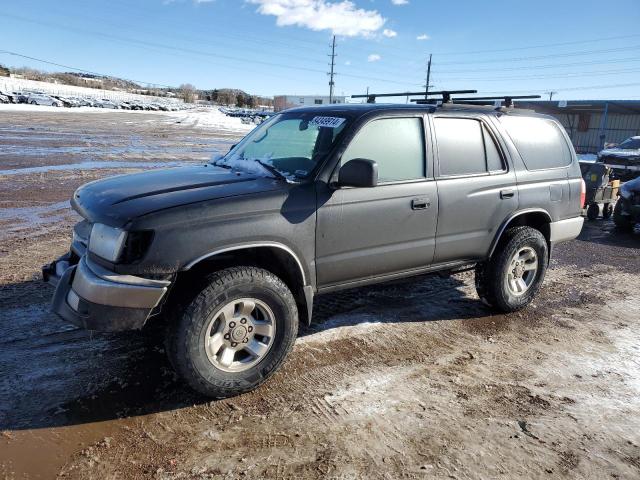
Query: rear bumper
(94, 298)
(565, 230)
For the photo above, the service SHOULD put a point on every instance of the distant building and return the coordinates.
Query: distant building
(592, 123)
(283, 102)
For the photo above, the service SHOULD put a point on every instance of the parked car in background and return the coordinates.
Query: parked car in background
(106, 103)
(624, 158)
(18, 97)
(66, 101)
(43, 99)
(5, 98)
(627, 210)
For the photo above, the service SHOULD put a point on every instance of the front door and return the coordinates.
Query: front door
(364, 233)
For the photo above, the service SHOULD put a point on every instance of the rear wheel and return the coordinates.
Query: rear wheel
(512, 277)
(607, 211)
(593, 211)
(235, 333)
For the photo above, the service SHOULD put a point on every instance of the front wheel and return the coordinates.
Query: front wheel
(510, 279)
(235, 333)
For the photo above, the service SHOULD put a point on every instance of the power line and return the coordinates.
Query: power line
(553, 55)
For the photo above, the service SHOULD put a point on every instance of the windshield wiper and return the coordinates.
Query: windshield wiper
(222, 165)
(273, 170)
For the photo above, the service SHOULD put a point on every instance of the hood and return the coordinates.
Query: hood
(117, 200)
(620, 153)
(629, 188)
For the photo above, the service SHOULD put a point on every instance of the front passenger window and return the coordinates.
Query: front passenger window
(396, 144)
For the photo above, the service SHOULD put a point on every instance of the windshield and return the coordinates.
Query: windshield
(630, 144)
(289, 145)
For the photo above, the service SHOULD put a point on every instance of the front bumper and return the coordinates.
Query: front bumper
(91, 297)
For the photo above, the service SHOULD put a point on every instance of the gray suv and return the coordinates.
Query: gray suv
(230, 255)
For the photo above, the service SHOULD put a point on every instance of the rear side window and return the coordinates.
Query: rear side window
(465, 147)
(396, 144)
(539, 141)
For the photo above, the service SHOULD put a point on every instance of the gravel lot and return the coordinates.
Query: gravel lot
(414, 379)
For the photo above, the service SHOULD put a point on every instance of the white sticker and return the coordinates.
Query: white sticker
(329, 122)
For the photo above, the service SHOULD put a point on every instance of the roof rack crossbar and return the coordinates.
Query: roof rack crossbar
(446, 94)
(507, 99)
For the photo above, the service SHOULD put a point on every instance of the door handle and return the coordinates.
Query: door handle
(420, 203)
(507, 193)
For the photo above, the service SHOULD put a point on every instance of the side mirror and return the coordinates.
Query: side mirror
(359, 172)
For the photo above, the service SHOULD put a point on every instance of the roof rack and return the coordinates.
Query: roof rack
(508, 100)
(446, 95)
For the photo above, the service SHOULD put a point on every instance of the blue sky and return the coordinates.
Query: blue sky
(273, 47)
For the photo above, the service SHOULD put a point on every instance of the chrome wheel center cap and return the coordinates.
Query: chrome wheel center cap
(239, 333)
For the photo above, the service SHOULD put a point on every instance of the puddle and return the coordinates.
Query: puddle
(91, 165)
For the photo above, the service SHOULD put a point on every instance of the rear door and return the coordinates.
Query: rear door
(477, 187)
(365, 233)
(548, 160)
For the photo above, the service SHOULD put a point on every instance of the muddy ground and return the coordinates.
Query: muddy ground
(414, 379)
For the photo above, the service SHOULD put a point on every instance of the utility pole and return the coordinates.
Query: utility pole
(332, 73)
(426, 87)
(551, 94)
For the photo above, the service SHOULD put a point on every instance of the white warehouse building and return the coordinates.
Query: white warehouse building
(283, 102)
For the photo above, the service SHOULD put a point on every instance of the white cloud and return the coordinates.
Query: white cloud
(347, 63)
(387, 32)
(341, 17)
(374, 57)
(400, 2)
(424, 36)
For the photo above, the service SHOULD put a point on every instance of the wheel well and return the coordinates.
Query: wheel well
(276, 260)
(538, 220)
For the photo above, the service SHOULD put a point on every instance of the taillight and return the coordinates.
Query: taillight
(583, 193)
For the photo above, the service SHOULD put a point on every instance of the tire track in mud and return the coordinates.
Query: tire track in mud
(373, 401)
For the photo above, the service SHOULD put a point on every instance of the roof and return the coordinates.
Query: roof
(628, 107)
(354, 110)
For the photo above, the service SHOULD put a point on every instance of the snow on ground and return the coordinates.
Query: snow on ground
(204, 117)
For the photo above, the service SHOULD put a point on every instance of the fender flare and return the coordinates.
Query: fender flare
(509, 219)
(245, 246)
(307, 288)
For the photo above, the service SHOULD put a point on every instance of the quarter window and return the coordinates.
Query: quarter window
(396, 144)
(539, 142)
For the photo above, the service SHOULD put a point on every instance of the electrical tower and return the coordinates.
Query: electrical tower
(332, 73)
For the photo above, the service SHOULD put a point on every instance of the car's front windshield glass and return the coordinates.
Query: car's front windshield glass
(630, 144)
(290, 145)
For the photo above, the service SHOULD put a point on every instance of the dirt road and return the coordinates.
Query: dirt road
(415, 379)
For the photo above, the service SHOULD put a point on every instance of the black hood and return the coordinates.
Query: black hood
(117, 200)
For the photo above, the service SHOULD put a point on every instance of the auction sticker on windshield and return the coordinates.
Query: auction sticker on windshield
(330, 122)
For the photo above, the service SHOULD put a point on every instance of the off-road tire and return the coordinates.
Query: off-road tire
(185, 333)
(622, 222)
(593, 210)
(490, 275)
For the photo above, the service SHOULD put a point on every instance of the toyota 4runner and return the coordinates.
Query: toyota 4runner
(231, 254)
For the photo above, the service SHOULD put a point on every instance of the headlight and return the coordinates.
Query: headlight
(107, 242)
